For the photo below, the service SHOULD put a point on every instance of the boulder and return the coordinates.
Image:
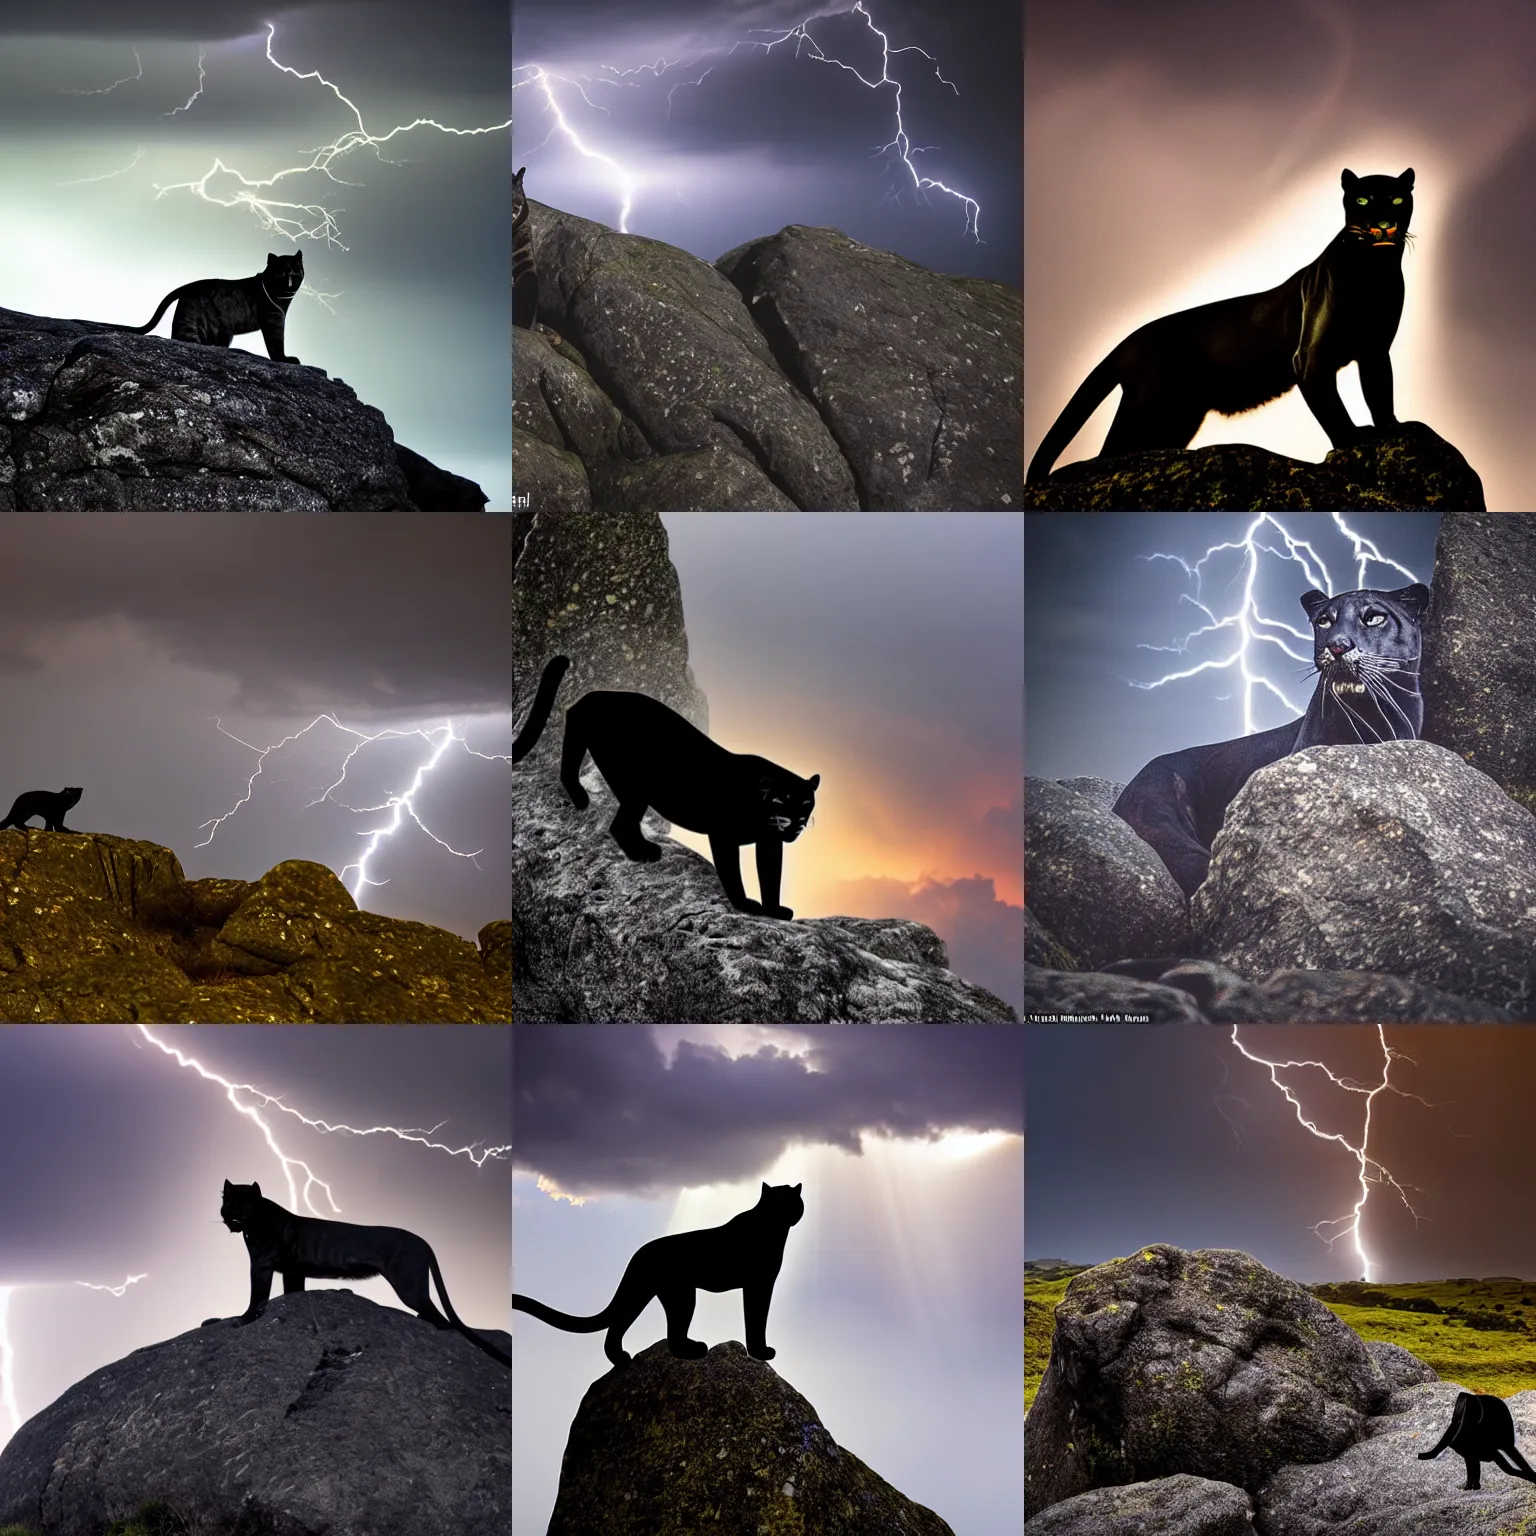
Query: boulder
(1202, 1362)
(1479, 664)
(722, 1443)
(1395, 857)
(101, 421)
(1379, 1487)
(1410, 468)
(801, 370)
(101, 929)
(1169, 1506)
(1103, 792)
(1100, 891)
(1402, 1369)
(600, 938)
(330, 1416)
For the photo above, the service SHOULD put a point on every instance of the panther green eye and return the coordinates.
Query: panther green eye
(1396, 201)
(1362, 201)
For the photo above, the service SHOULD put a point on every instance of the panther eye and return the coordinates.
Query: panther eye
(1323, 621)
(1396, 201)
(1373, 619)
(1362, 201)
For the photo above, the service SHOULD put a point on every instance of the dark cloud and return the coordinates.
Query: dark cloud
(399, 614)
(597, 1110)
(768, 140)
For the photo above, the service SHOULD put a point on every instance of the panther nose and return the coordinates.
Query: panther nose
(1340, 647)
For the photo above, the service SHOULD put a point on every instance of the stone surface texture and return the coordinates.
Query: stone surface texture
(328, 1416)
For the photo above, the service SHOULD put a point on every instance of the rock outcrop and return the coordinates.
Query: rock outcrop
(101, 929)
(1411, 468)
(1201, 1393)
(100, 421)
(598, 938)
(663, 1446)
(1479, 662)
(1396, 858)
(330, 1416)
(802, 370)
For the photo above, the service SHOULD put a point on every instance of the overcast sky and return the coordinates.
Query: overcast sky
(896, 1314)
(767, 139)
(116, 1156)
(1190, 151)
(882, 651)
(1096, 602)
(1143, 1135)
(124, 639)
(417, 260)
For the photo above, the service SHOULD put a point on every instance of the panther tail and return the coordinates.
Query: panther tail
(154, 320)
(1091, 393)
(454, 1318)
(594, 1324)
(543, 702)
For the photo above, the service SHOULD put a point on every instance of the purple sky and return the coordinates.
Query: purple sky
(116, 1155)
(897, 1311)
(768, 140)
(123, 639)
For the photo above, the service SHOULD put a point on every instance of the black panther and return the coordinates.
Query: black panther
(53, 805)
(1366, 647)
(743, 1254)
(1482, 1429)
(1238, 353)
(651, 757)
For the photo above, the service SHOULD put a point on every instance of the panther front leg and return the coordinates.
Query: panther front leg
(1376, 386)
(754, 1306)
(770, 869)
(727, 857)
(261, 1289)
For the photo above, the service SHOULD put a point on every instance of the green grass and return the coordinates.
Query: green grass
(1483, 1336)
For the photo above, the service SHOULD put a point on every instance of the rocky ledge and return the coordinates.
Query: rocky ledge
(723, 1442)
(97, 421)
(1411, 468)
(802, 370)
(99, 929)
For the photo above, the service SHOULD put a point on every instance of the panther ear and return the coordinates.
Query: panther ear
(227, 1186)
(1415, 598)
(256, 1189)
(814, 780)
(797, 1189)
(1314, 600)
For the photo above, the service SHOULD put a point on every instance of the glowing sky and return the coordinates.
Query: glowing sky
(1093, 601)
(122, 639)
(115, 1157)
(1144, 1135)
(419, 319)
(882, 651)
(1187, 152)
(897, 1311)
(767, 140)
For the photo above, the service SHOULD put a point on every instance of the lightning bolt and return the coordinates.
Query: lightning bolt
(1250, 627)
(116, 1290)
(1370, 1169)
(126, 80)
(227, 187)
(400, 805)
(238, 1093)
(898, 148)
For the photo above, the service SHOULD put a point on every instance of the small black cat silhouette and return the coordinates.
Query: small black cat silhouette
(51, 804)
(745, 1253)
(1482, 1429)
